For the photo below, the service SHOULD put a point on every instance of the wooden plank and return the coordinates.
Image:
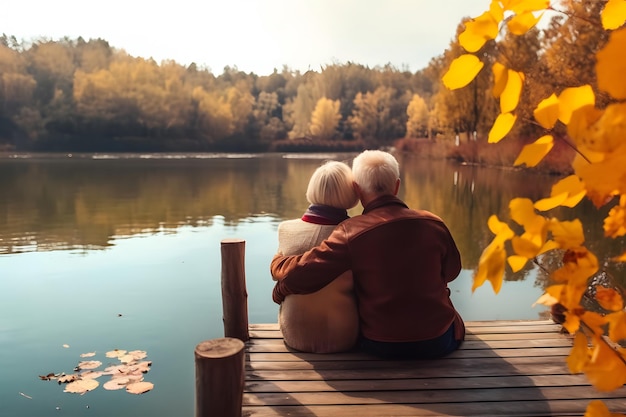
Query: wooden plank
(445, 396)
(367, 384)
(401, 373)
(478, 353)
(485, 409)
(504, 368)
(272, 330)
(519, 364)
(269, 345)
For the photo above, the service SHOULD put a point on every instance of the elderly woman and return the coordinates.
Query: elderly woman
(327, 320)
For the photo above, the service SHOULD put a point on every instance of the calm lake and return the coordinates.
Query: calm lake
(102, 252)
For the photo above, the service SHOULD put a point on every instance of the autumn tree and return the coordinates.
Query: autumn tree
(325, 119)
(591, 109)
(417, 124)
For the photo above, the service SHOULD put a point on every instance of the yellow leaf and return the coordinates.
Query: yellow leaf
(533, 153)
(522, 211)
(614, 14)
(524, 247)
(615, 222)
(606, 370)
(516, 262)
(549, 203)
(602, 187)
(599, 130)
(496, 10)
(572, 322)
(501, 127)
(548, 245)
(609, 299)
(512, 91)
(617, 326)
(574, 98)
(594, 321)
(491, 267)
(502, 230)
(522, 23)
(523, 6)
(567, 192)
(547, 112)
(462, 71)
(579, 355)
(597, 408)
(478, 31)
(611, 66)
(500, 78)
(546, 299)
(568, 234)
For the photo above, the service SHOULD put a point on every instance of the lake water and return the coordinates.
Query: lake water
(102, 252)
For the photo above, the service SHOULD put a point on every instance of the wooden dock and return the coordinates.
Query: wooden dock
(504, 368)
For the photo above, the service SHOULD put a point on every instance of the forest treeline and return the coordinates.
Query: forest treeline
(78, 95)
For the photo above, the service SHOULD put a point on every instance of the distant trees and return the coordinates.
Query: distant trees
(70, 94)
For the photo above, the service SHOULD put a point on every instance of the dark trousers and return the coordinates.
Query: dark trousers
(423, 349)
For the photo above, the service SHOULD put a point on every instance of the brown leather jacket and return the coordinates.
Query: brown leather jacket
(401, 259)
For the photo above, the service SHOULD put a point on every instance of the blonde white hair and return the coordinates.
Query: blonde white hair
(376, 172)
(332, 185)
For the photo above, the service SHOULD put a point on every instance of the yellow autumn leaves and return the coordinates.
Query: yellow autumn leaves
(598, 133)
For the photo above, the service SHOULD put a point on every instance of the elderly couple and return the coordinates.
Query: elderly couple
(376, 281)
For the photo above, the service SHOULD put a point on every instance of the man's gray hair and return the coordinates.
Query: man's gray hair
(376, 172)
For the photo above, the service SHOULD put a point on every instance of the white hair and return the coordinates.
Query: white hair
(376, 172)
(332, 185)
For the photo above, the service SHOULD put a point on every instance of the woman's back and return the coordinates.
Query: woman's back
(327, 320)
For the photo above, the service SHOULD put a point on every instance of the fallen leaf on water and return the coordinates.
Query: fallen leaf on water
(91, 374)
(138, 354)
(87, 355)
(81, 386)
(116, 353)
(89, 364)
(64, 379)
(139, 387)
(25, 396)
(115, 384)
(66, 345)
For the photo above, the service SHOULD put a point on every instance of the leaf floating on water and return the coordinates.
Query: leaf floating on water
(64, 379)
(139, 387)
(127, 359)
(25, 396)
(81, 386)
(116, 384)
(91, 374)
(116, 353)
(66, 345)
(144, 366)
(138, 354)
(87, 355)
(89, 364)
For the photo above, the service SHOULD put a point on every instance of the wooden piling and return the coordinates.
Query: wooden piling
(219, 377)
(234, 293)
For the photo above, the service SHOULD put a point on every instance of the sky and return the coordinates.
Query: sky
(253, 35)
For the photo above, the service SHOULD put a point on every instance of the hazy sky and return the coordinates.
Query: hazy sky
(254, 35)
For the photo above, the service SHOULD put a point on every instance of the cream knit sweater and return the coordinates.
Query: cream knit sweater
(327, 320)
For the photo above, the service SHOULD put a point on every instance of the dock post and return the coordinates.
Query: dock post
(234, 293)
(219, 377)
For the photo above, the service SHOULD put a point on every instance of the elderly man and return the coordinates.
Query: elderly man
(401, 260)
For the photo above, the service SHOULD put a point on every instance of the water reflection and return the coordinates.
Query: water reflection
(87, 201)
